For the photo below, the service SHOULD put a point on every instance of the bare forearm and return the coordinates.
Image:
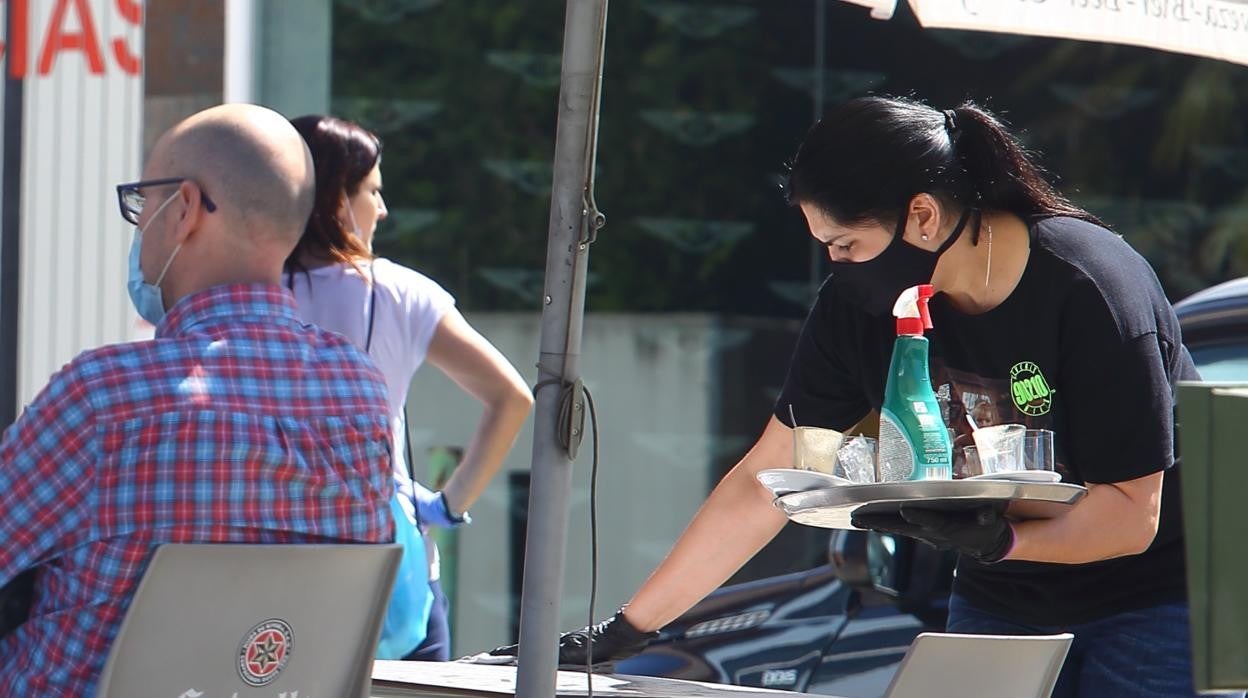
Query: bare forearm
(495, 435)
(735, 522)
(484, 373)
(1107, 523)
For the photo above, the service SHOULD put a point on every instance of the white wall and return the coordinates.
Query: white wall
(82, 134)
(650, 376)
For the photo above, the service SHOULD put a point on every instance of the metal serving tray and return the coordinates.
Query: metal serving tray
(832, 507)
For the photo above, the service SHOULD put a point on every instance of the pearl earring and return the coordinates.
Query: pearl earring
(923, 236)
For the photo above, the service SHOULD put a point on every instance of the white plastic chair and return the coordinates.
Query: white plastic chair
(253, 620)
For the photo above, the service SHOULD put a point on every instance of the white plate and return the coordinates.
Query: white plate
(782, 481)
(1020, 476)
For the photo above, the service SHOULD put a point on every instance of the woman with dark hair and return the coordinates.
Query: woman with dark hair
(1031, 291)
(400, 318)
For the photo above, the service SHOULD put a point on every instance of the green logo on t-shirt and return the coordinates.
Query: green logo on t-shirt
(1032, 394)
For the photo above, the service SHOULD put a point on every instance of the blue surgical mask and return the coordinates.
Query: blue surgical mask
(146, 297)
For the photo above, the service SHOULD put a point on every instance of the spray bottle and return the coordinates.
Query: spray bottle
(914, 443)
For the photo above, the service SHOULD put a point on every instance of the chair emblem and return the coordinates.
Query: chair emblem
(264, 652)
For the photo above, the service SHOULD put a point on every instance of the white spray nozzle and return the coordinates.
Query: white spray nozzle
(907, 304)
(911, 310)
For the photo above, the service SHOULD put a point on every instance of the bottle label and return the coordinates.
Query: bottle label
(936, 457)
(896, 452)
(901, 458)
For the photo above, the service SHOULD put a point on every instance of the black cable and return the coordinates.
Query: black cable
(593, 543)
(567, 404)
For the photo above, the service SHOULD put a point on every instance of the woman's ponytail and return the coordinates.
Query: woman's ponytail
(1005, 175)
(871, 153)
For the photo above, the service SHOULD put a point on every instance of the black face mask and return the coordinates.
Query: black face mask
(874, 285)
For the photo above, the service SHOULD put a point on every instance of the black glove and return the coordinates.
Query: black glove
(611, 639)
(981, 533)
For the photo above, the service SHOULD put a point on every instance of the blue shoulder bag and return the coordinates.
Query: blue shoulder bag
(411, 600)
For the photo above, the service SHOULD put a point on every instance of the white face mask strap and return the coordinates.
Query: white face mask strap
(167, 265)
(159, 208)
(355, 228)
(351, 214)
(165, 270)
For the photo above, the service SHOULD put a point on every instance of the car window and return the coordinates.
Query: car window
(1222, 362)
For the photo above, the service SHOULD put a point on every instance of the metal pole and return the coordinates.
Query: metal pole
(10, 220)
(239, 77)
(821, 40)
(818, 253)
(573, 220)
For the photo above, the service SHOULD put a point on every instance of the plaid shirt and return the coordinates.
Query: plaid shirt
(237, 423)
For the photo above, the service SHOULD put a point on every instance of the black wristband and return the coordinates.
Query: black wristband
(450, 514)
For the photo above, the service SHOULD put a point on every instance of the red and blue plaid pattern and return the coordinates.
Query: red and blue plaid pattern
(237, 423)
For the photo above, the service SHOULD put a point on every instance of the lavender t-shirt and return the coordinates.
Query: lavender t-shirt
(409, 306)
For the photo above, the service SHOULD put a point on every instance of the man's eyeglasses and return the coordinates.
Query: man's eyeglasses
(130, 197)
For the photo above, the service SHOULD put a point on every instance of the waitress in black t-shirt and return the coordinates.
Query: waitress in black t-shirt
(1032, 290)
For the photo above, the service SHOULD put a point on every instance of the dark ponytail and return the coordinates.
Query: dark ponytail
(869, 156)
(1005, 175)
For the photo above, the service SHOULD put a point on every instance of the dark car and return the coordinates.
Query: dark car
(1215, 330)
(842, 627)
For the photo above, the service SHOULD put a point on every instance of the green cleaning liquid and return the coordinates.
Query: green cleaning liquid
(914, 443)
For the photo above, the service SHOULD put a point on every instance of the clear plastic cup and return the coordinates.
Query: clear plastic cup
(856, 460)
(814, 448)
(1000, 447)
(968, 465)
(1038, 449)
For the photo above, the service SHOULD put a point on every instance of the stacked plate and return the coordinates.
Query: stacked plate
(1021, 476)
(782, 481)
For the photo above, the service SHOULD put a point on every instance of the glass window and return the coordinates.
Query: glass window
(1222, 362)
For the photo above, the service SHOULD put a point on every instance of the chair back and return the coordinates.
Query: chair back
(253, 621)
(947, 665)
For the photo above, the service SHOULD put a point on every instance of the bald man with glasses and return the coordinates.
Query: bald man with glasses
(237, 423)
